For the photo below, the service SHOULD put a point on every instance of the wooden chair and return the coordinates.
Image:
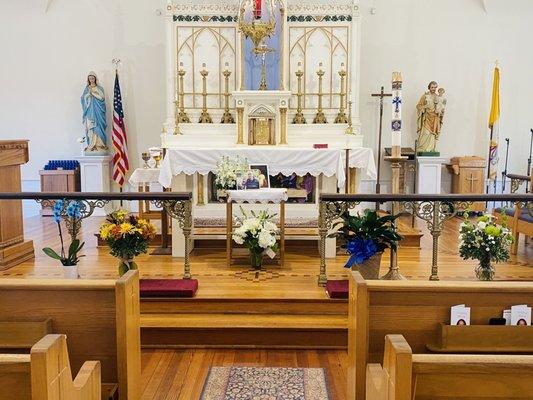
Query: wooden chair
(520, 221)
(45, 374)
(100, 318)
(415, 309)
(407, 376)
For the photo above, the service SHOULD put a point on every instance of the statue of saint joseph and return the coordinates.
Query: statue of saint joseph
(431, 108)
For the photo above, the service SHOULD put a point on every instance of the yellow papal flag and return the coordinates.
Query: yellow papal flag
(494, 120)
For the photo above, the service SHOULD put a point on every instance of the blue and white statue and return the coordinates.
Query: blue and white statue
(94, 116)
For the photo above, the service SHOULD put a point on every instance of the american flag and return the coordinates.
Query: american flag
(121, 163)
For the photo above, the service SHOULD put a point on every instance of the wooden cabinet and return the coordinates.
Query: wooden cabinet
(13, 248)
(468, 177)
(59, 180)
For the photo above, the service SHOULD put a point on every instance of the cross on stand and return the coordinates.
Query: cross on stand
(381, 96)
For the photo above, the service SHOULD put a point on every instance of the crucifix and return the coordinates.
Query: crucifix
(381, 96)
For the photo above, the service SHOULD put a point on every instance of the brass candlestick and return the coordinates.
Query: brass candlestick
(227, 118)
(349, 129)
(299, 117)
(320, 118)
(205, 118)
(182, 116)
(341, 116)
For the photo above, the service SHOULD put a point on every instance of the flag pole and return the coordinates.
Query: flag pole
(489, 160)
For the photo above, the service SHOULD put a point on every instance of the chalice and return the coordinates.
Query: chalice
(157, 158)
(146, 157)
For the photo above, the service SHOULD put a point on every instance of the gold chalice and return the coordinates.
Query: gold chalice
(157, 158)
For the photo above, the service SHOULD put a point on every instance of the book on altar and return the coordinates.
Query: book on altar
(320, 146)
(521, 315)
(460, 315)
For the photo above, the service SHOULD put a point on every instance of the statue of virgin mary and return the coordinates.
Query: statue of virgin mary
(94, 116)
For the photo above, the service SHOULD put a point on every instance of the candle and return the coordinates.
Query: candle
(396, 125)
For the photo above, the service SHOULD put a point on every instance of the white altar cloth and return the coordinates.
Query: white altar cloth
(284, 160)
(144, 176)
(271, 195)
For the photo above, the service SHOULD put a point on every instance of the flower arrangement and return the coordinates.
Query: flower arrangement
(485, 241)
(127, 236)
(227, 172)
(73, 213)
(367, 235)
(257, 233)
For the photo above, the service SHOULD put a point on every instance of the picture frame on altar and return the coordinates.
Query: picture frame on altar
(256, 177)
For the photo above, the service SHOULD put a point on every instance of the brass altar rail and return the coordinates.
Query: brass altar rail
(433, 209)
(176, 204)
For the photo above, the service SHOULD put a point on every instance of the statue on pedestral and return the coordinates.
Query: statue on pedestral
(94, 116)
(431, 108)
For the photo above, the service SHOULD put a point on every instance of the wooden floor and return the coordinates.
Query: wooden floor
(171, 374)
(180, 374)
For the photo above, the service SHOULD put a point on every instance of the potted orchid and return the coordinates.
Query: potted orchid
(127, 236)
(486, 242)
(257, 233)
(69, 258)
(367, 235)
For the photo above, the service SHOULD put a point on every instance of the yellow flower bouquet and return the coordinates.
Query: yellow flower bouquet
(127, 236)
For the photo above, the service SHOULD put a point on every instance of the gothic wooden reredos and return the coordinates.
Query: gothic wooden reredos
(311, 32)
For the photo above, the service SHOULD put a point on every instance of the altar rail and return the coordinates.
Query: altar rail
(431, 208)
(177, 205)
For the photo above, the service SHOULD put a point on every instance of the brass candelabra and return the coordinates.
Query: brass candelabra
(181, 116)
(227, 118)
(205, 118)
(320, 118)
(341, 116)
(349, 129)
(299, 117)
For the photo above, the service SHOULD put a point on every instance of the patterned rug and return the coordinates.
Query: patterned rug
(251, 383)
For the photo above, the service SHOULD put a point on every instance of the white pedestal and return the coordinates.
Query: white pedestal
(429, 175)
(95, 176)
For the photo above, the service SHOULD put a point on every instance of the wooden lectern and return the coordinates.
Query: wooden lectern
(13, 248)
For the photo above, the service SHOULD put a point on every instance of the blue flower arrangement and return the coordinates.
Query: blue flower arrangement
(73, 212)
(368, 234)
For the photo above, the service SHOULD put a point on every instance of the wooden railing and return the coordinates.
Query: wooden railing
(433, 209)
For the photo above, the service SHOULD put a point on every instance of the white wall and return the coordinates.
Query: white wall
(45, 59)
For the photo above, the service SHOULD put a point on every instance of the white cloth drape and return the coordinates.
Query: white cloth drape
(271, 195)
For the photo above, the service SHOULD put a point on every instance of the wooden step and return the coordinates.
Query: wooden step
(292, 306)
(244, 321)
(244, 331)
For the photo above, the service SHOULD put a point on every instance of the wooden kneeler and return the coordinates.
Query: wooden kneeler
(45, 374)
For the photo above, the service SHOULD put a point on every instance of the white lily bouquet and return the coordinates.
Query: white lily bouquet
(228, 171)
(257, 233)
(486, 241)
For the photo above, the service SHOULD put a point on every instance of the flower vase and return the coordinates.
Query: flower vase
(485, 271)
(125, 265)
(256, 260)
(369, 269)
(70, 272)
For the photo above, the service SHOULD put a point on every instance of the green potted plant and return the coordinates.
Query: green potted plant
(366, 236)
(486, 242)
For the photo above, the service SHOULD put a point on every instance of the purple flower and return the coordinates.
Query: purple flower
(360, 250)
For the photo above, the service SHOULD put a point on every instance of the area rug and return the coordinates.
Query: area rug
(251, 383)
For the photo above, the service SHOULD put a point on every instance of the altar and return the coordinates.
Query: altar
(274, 82)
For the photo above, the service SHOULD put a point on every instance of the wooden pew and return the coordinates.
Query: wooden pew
(100, 318)
(415, 309)
(407, 376)
(45, 374)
